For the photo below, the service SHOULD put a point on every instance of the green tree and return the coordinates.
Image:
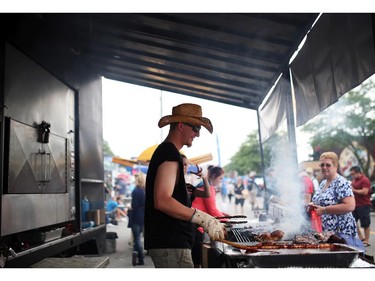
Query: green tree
(106, 149)
(348, 123)
(248, 156)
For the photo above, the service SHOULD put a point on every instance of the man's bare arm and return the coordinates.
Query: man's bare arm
(165, 180)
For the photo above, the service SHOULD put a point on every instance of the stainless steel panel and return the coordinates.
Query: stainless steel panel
(39, 179)
(22, 212)
(91, 132)
(32, 95)
(35, 167)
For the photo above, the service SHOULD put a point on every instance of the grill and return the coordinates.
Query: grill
(334, 256)
(238, 236)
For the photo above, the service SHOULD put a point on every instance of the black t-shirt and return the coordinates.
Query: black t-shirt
(161, 230)
(238, 189)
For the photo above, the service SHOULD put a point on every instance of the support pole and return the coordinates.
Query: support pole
(288, 95)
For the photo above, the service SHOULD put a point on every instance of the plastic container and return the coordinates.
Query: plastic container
(87, 224)
(85, 208)
(110, 242)
(316, 221)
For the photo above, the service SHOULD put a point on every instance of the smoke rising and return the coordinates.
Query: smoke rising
(284, 175)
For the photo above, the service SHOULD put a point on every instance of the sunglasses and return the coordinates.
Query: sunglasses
(325, 164)
(195, 129)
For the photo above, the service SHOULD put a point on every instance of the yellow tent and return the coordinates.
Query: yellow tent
(124, 162)
(145, 157)
(146, 154)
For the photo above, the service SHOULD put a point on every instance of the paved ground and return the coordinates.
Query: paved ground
(123, 255)
(122, 258)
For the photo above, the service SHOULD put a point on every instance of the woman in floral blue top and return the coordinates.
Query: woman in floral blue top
(334, 200)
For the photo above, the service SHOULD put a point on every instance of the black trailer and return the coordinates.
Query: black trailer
(51, 138)
(51, 157)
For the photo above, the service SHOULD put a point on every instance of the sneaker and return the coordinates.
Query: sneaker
(134, 258)
(141, 263)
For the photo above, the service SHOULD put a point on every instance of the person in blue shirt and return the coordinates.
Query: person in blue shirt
(121, 188)
(136, 219)
(114, 210)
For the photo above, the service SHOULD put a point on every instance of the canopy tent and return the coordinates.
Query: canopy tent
(124, 162)
(145, 156)
(345, 59)
(224, 57)
(232, 58)
(338, 55)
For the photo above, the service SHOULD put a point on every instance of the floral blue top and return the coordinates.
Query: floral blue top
(338, 189)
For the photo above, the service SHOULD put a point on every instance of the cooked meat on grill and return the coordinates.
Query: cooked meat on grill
(306, 238)
(310, 246)
(266, 236)
(324, 236)
(335, 239)
(277, 234)
(317, 238)
(320, 236)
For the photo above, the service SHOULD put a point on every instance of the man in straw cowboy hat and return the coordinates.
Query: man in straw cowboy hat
(169, 217)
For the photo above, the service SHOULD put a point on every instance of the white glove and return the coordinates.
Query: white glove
(212, 226)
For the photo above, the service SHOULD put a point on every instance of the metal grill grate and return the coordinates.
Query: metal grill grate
(239, 235)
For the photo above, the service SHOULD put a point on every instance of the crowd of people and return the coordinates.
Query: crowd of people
(117, 210)
(177, 217)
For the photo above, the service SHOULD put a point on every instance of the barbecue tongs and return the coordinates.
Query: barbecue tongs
(232, 217)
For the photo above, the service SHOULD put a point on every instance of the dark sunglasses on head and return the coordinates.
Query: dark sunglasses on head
(195, 129)
(325, 164)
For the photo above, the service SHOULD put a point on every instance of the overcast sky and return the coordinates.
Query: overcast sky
(131, 114)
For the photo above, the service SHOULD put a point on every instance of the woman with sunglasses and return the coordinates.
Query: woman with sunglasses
(334, 200)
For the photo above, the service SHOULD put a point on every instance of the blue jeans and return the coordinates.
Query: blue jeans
(137, 246)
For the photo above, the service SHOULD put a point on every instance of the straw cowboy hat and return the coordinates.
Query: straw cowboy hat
(187, 113)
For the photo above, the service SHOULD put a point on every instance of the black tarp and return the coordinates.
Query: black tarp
(338, 55)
